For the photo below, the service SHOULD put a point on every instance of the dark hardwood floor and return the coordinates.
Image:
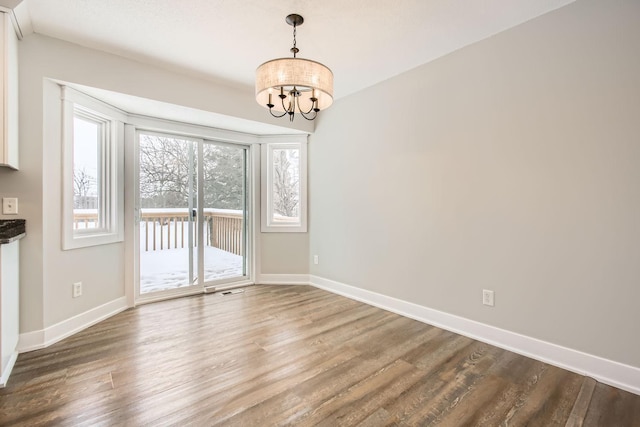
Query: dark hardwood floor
(293, 355)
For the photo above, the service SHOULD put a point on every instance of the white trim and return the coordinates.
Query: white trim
(268, 224)
(21, 19)
(167, 294)
(300, 138)
(606, 371)
(131, 216)
(153, 124)
(110, 170)
(75, 97)
(282, 279)
(226, 286)
(45, 337)
(254, 239)
(7, 369)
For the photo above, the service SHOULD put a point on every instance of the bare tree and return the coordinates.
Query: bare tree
(164, 171)
(286, 181)
(83, 183)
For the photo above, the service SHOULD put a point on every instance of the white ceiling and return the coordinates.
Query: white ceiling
(362, 41)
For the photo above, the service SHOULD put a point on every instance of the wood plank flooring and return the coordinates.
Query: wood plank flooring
(293, 355)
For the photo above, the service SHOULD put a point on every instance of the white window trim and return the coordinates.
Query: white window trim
(112, 166)
(266, 169)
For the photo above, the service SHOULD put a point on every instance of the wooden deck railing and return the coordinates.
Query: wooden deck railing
(224, 230)
(85, 218)
(168, 228)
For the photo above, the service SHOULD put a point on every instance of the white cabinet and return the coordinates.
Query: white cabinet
(9, 303)
(8, 93)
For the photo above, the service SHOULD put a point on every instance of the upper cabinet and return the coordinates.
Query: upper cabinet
(8, 93)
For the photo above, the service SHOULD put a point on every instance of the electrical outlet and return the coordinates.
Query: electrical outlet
(315, 259)
(487, 297)
(10, 205)
(77, 289)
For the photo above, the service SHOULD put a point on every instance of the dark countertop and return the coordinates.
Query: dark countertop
(12, 230)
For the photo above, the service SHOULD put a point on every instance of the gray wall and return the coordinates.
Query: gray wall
(512, 165)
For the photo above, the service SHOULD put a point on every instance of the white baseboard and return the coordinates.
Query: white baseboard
(606, 371)
(7, 369)
(282, 279)
(45, 337)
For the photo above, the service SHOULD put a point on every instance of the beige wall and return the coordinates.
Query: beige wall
(47, 272)
(284, 253)
(511, 165)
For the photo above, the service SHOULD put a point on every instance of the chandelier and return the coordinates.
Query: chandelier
(294, 85)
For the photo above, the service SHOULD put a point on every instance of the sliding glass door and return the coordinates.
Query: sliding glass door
(224, 186)
(193, 212)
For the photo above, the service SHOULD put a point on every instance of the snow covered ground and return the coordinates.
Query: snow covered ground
(163, 269)
(169, 268)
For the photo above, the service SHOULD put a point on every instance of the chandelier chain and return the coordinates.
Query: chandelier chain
(295, 49)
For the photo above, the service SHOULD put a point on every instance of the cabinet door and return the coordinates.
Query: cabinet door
(4, 146)
(8, 93)
(9, 306)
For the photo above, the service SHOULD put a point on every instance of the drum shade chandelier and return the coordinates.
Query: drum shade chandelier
(287, 86)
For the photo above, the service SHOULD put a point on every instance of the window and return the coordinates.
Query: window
(284, 187)
(93, 135)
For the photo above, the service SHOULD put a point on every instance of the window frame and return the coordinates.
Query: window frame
(268, 225)
(110, 228)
